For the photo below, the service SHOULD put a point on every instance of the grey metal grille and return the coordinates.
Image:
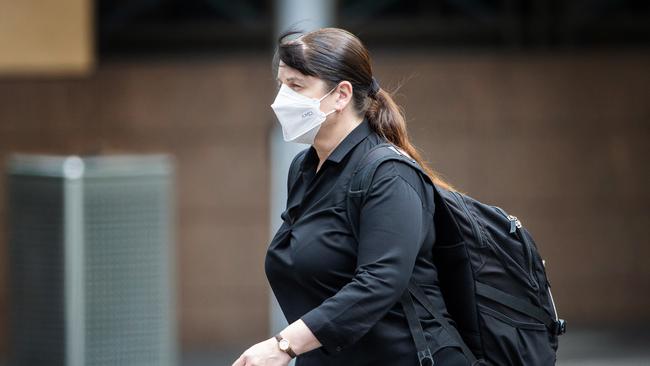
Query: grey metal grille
(92, 254)
(36, 277)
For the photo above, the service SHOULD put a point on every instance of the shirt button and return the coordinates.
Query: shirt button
(338, 348)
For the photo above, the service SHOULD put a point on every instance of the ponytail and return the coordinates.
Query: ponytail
(387, 120)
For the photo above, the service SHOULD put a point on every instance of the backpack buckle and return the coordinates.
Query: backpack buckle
(426, 354)
(400, 152)
(559, 327)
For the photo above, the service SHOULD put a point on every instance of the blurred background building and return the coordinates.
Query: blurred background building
(541, 106)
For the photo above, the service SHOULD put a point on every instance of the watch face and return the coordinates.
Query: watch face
(284, 344)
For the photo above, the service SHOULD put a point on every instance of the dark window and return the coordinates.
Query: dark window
(145, 27)
(498, 23)
(149, 27)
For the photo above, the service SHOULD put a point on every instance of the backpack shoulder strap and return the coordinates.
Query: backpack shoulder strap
(363, 174)
(365, 170)
(359, 185)
(362, 178)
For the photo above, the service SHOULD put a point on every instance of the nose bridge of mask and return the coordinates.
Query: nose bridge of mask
(288, 93)
(294, 95)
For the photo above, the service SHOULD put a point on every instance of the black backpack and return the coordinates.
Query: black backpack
(492, 278)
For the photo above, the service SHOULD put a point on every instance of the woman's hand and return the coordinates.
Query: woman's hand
(266, 353)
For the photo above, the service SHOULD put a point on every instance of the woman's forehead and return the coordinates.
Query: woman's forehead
(286, 72)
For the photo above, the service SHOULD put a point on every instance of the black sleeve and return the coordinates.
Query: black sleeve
(391, 228)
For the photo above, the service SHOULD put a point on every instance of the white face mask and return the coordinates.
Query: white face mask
(300, 116)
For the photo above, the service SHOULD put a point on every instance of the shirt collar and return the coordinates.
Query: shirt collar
(343, 148)
(349, 142)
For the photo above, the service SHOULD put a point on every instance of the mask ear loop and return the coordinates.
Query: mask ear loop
(323, 97)
(328, 93)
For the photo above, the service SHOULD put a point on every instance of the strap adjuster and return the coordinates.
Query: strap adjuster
(425, 354)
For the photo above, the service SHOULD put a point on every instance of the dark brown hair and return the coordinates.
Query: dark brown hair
(334, 55)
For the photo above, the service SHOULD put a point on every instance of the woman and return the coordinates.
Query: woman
(341, 297)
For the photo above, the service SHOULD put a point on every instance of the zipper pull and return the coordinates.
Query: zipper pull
(514, 223)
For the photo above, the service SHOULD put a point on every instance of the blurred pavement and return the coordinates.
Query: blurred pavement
(577, 348)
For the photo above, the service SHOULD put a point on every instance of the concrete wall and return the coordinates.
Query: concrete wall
(560, 140)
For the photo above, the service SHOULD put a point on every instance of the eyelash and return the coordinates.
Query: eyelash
(293, 86)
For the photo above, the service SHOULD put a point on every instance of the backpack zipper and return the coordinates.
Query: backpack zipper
(514, 221)
(461, 201)
(514, 225)
(550, 295)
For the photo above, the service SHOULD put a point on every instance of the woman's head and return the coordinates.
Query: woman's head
(332, 57)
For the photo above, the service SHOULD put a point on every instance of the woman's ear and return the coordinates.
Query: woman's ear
(345, 95)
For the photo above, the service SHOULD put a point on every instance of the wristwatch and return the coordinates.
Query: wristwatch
(284, 345)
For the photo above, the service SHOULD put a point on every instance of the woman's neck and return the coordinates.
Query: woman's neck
(332, 133)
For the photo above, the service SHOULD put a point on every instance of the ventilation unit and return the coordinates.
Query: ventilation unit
(91, 274)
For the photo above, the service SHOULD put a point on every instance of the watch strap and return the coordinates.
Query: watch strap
(289, 351)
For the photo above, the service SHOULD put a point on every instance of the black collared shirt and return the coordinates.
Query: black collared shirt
(348, 292)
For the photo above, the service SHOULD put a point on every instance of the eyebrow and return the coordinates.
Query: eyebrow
(291, 78)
